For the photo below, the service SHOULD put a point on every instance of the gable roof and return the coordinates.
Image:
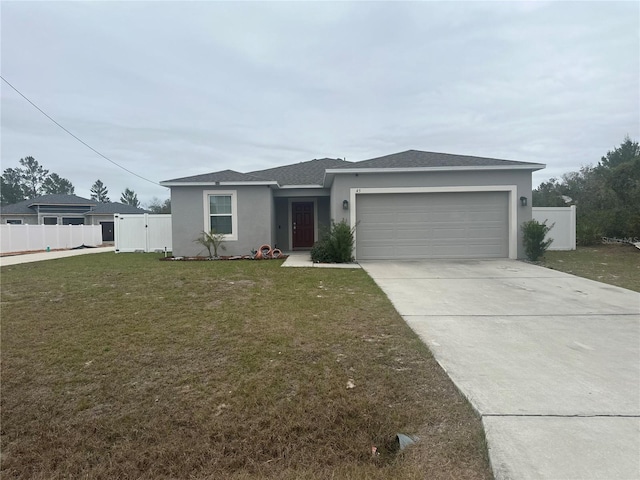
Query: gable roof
(421, 159)
(303, 173)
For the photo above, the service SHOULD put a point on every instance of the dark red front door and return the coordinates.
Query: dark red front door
(302, 228)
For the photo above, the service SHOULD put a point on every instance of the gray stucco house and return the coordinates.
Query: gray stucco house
(407, 205)
(66, 210)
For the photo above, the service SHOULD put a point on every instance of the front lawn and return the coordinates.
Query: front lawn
(613, 264)
(122, 366)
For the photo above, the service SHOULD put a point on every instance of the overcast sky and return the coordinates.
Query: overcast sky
(171, 89)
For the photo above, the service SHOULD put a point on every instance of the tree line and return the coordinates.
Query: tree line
(607, 195)
(31, 180)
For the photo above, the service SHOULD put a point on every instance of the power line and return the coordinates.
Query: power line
(74, 136)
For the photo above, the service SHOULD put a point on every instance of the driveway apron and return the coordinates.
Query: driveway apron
(549, 360)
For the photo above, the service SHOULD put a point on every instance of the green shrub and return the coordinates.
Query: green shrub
(588, 234)
(320, 252)
(534, 243)
(335, 244)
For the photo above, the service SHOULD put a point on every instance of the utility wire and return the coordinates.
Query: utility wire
(74, 136)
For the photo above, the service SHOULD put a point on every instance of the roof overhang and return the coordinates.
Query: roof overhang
(331, 172)
(218, 184)
(285, 187)
(44, 204)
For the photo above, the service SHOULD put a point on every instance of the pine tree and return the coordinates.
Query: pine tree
(129, 197)
(99, 192)
(55, 184)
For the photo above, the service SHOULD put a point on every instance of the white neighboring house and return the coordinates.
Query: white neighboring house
(66, 210)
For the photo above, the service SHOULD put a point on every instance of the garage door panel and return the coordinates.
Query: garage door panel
(447, 233)
(432, 225)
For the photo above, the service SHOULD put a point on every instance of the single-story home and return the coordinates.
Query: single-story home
(66, 210)
(407, 205)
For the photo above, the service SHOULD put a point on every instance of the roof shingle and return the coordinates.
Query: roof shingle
(303, 173)
(313, 172)
(221, 176)
(420, 159)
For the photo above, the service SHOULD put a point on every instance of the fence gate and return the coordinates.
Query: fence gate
(142, 233)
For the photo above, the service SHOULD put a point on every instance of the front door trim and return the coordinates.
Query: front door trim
(291, 201)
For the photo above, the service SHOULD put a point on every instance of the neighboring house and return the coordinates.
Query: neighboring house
(66, 210)
(408, 205)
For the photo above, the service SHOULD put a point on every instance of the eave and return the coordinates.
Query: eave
(331, 172)
(218, 184)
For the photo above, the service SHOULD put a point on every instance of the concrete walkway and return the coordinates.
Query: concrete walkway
(550, 361)
(39, 257)
(303, 259)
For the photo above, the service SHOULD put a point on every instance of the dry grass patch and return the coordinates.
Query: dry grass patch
(121, 366)
(613, 264)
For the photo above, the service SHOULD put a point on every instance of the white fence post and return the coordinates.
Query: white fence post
(572, 239)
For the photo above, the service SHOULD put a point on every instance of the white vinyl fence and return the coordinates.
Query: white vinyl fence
(142, 232)
(564, 230)
(23, 238)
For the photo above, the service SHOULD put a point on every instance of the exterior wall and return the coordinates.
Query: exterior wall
(33, 219)
(324, 212)
(282, 223)
(521, 179)
(254, 219)
(26, 219)
(96, 219)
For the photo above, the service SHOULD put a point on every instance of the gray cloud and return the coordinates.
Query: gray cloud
(179, 88)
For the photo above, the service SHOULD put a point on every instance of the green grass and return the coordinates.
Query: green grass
(613, 264)
(123, 366)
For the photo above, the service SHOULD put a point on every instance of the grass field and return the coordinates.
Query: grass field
(613, 264)
(123, 366)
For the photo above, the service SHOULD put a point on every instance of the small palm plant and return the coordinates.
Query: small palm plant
(212, 241)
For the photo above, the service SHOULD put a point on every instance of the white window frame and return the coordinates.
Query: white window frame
(234, 211)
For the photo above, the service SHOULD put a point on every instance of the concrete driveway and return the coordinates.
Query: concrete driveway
(551, 361)
(41, 256)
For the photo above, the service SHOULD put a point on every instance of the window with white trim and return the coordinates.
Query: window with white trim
(220, 213)
(14, 222)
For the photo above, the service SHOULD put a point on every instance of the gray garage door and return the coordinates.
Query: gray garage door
(432, 225)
